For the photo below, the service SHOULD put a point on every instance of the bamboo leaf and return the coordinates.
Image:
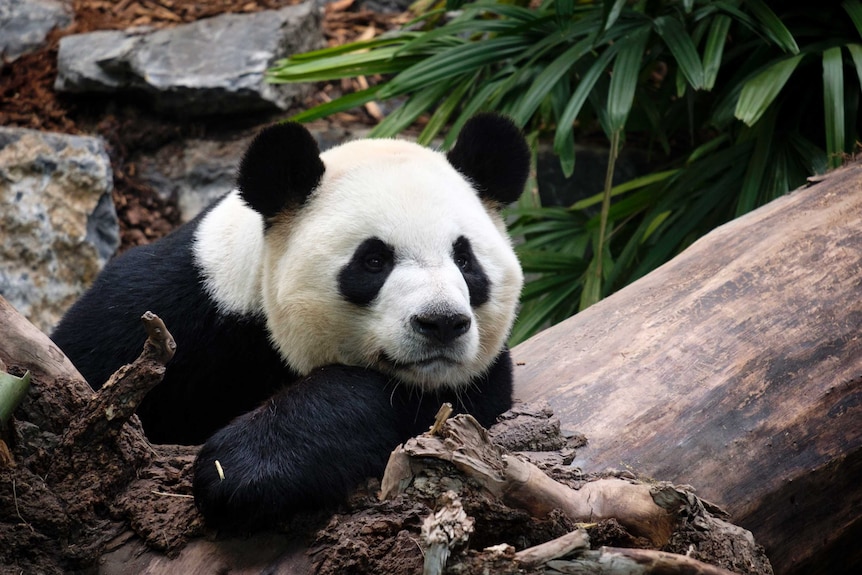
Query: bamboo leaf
(611, 10)
(814, 158)
(579, 96)
(565, 8)
(541, 311)
(346, 102)
(752, 182)
(759, 91)
(546, 283)
(548, 78)
(856, 54)
(379, 61)
(675, 38)
(12, 392)
(628, 186)
(833, 104)
(854, 9)
(543, 261)
(773, 27)
(415, 106)
(475, 104)
(654, 224)
(361, 46)
(445, 110)
(451, 34)
(454, 61)
(625, 77)
(714, 50)
(592, 291)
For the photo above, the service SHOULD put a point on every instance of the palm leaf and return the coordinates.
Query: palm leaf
(454, 61)
(854, 10)
(564, 125)
(625, 77)
(773, 26)
(760, 91)
(672, 32)
(714, 49)
(833, 104)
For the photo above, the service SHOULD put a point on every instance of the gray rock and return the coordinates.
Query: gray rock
(58, 225)
(195, 171)
(211, 66)
(198, 171)
(24, 24)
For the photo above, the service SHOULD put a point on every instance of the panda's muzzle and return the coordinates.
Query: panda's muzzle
(441, 328)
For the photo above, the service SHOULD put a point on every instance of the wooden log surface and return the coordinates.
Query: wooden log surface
(735, 368)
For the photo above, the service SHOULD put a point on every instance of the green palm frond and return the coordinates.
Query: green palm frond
(735, 102)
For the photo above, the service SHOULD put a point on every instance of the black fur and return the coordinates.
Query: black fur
(366, 272)
(309, 445)
(492, 153)
(281, 167)
(477, 282)
(303, 442)
(216, 354)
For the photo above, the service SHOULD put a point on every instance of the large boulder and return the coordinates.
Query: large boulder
(58, 225)
(25, 24)
(210, 66)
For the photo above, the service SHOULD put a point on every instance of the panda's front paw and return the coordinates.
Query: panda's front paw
(224, 483)
(304, 448)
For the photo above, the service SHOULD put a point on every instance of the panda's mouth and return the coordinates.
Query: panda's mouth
(426, 362)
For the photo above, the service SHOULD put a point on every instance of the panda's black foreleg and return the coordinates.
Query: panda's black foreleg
(306, 447)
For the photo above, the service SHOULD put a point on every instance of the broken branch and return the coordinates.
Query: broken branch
(521, 484)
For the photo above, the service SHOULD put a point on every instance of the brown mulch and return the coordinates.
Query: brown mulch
(28, 99)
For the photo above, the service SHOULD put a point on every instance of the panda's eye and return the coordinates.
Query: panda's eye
(375, 263)
(462, 254)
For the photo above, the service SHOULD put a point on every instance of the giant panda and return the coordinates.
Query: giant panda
(323, 310)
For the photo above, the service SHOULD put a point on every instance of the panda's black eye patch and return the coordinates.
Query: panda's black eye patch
(366, 272)
(477, 282)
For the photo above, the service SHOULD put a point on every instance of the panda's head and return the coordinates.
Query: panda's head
(388, 255)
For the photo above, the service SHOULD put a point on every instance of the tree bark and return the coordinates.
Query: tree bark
(736, 368)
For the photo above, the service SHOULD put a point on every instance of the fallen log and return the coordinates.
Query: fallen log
(736, 368)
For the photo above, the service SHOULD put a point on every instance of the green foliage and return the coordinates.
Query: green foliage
(13, 390)
(737, 102)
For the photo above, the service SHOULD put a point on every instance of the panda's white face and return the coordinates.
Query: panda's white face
(378, 253)
(393, 263)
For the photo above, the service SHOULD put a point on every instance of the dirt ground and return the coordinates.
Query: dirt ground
(28, 100)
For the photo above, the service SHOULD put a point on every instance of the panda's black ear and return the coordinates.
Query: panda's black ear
(280, 169)
(492, 152)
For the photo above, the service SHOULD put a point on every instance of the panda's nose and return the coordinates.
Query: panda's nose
(443, 328)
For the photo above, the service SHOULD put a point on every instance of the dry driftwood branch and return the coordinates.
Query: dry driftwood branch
(446, 529)
(521, 484)
(117, 400)
(736, 368)
(621, 561)
(577, 540)
(86, 472)
(669, 517)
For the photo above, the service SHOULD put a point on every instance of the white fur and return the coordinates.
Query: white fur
(229, 249)
(407, 196)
